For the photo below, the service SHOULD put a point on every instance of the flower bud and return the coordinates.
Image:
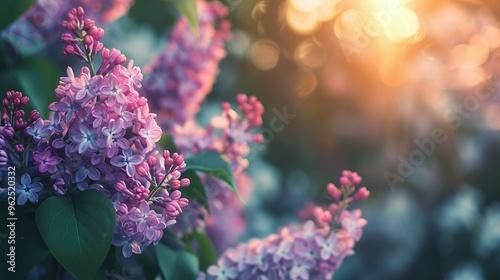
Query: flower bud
(361, 194)
(333, 191)
(185, 182)
(19, 148)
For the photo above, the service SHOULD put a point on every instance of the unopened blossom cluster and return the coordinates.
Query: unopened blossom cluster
(313, 250)
(183, 74)
(34, 30)
(102, 136)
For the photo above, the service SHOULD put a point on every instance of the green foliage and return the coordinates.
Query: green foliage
(36, 78)
(29, 246)
(167, 143)
(176, 263)
(189, 9)
(213, 164)
(11, 10)
(196, 190)
(207, 254)
(78, 230)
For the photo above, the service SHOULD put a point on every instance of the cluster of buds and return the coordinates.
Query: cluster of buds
(14, 124)
(81, 31)
(314, 250)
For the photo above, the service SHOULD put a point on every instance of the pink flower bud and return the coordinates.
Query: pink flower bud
(80, 12)
(175, 195)
(141, 171)
(241, 98)
(19, 148)
(226, 106)
(19, 113)
(185, 182)
(88, 40)
(361, 194)
(333, 191)
(174, 184)
(152, 161)
(355, 178)
(333, 208)
(344, 181)
(183, 202)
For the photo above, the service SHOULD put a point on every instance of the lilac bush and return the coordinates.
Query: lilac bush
(102, 136)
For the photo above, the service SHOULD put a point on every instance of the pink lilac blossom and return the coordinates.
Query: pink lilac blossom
(313, 250)
(181, 77)
(231, 135)
(102, 136)
(34, 30)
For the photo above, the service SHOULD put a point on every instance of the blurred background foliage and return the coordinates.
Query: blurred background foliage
(360, 97)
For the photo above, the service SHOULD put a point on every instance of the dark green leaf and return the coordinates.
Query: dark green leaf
(195, 190)
(35, 78)
(149, 266)
(38, 79)
(78, 230)
(215, 165)
(167, 143)
(176, 264)
(29, 246)
(11, 10)
(207, 254)
(171, 240)
(189, 9)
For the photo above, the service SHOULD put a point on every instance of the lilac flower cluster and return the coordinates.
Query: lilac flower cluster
(231, 135)
(18, 148)
(34, 30)
(102, 136)
(181, 77)
(315, 250)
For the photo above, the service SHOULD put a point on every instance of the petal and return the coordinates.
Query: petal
(33, 197)
(81, 174)
(135, 159)
(25, 179)
(118, 161)
(22, 198)
(93, 173)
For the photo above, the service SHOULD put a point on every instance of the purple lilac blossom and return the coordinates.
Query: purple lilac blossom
(231, 135)
(181, 77)
(102, 136)
(313, 250)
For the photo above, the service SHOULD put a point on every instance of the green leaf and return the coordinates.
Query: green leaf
(78, 230)
(38, 79)
(29, 246)
(150, 267)
(195, 190)
(215, 165)
(207, 254)
(189, 9)
(35, 78)
(11, 10)
(176, 264)
(167, 143)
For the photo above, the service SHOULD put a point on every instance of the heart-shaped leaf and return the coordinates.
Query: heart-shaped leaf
(78, 230)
